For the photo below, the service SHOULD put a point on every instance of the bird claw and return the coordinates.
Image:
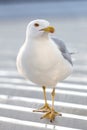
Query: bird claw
(51, 115)
(45, 108)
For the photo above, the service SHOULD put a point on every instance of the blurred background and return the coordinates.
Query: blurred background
(69, 17)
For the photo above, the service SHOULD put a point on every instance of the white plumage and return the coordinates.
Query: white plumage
(40, 60)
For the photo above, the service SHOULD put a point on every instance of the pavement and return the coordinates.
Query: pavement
(19, 97)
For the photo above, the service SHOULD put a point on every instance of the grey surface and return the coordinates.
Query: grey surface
(30, 1)
(44, 10)
(19, 97)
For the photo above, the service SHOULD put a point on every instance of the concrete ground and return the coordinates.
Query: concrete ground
(19, 97)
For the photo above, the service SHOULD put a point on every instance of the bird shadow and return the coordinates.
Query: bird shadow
(50, 125)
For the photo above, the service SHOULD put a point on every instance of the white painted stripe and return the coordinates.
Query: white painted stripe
(39, 101)
(71, 78)
(26, 109)
(74, 116)
(59, 85)
(16, 108)
(8, 73)
(12, 80)
(33, 124)
(72, 86)
(39, 89)
(77, 79)
(80, 67)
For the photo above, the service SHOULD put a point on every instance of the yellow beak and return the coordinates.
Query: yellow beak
(49, 29)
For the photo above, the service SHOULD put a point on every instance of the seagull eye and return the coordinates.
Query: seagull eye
(36, 24)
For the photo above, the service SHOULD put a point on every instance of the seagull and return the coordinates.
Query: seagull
(44, 60)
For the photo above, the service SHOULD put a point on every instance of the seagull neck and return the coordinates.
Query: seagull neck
(36, 39)
(42, 38)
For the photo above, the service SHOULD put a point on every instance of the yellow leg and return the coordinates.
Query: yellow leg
(46, 107)
(52, 113)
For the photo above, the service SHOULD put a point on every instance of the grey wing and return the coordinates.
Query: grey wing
(60, 44)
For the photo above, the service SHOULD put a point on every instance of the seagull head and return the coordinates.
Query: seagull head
(39, 28)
